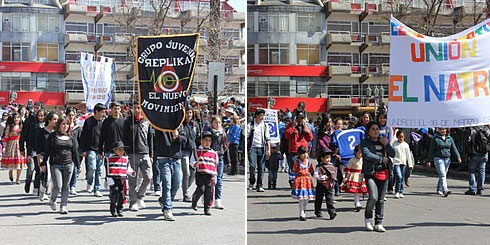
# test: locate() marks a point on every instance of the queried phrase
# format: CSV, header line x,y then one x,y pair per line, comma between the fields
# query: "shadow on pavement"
x,y
338,230
442,224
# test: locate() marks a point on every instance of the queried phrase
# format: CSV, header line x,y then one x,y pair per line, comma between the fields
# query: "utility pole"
x,y
214,44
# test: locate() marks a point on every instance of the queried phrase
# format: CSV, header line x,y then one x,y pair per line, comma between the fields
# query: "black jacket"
x,y
372,161
89,139
166,146
28,134
50,150
138,134
41,138
219,143
192,132
111,132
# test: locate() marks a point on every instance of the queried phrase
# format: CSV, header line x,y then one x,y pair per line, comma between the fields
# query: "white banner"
x,y
273,123
439,82
97,78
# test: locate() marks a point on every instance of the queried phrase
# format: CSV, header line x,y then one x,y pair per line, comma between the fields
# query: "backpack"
x,y
481,143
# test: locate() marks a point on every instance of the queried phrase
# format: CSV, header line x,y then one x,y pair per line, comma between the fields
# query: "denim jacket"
x,y
373,162
442,148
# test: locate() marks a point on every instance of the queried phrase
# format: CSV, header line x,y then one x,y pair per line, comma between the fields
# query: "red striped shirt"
x,y
118,166
207,160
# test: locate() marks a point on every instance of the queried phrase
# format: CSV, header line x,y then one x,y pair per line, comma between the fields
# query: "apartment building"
x,y
334,55
42,39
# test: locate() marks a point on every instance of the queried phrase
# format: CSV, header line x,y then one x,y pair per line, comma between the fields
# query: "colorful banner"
x,y
165,70
439,82
273,123
97,78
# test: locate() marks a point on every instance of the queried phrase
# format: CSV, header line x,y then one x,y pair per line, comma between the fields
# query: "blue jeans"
x,y
73,181
218,188
442,166
272,176
399,177
478,161
94,165
377,191
257,161
171,176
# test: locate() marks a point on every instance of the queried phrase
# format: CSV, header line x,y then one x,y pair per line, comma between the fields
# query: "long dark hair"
x,y
321,127
37,114
49,117
57,128
10,121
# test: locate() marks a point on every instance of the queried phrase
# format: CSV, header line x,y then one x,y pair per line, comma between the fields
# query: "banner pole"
x,y
215,88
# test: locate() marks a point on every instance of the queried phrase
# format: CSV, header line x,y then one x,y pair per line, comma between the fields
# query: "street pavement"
x,y
26,220
422,217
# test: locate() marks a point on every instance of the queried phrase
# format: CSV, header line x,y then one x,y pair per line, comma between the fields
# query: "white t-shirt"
x,y
258,137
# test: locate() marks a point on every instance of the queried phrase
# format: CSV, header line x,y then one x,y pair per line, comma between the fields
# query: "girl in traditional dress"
x,y
12,157
354,180
303,189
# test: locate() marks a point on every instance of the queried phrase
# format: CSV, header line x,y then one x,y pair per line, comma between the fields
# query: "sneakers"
x,y
157,193
168,215
98,194
187,199
218,204
379,228
471,193
479,192
134,208
52,205
440,193
358,208
301,218
250,187
385,199
90,189
73,191
35,192
318,214
369,224
333,215
401,195
43,196
63,210
141,203
447,193
397,195
260,189
206,212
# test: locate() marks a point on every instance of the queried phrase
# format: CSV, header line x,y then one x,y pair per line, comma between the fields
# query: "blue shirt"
x,y
233,134
282,128
346,141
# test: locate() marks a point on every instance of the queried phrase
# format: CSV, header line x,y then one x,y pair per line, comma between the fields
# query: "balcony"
x,y
348,70
118,42
103,13
236,17
239,44
124,67
346,38
79,41
72,68
74,12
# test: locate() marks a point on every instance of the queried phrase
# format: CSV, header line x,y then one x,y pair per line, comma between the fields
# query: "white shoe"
x,y
52,205
385,199
250,187
168,215
379,228
90,189
401,195
35,192
397,195
157,193
98,194
64,210
369,224
218,204
141,203
440,193
134,208
73,191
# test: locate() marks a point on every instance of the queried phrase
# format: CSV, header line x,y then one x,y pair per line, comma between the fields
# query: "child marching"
x,y
207,161
302,184
117,172
326,175
354,179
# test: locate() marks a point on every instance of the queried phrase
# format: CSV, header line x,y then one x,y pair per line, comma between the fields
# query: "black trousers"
x,y
117,194
203,182
321,191
234,158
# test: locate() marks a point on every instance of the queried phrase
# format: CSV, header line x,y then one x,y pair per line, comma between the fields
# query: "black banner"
x,y
165,70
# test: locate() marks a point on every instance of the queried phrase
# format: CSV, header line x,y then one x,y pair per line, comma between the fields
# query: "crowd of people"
x,y
357,156
119,147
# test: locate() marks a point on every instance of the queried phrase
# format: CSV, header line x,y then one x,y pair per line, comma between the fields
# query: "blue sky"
x,y
238,5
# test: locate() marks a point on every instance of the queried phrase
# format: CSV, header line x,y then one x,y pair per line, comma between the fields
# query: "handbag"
x,y
381,175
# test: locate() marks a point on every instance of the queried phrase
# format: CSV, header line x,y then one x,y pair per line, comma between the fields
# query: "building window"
x,y
343,58
342,26
310,86
250,21
250,54
251,87
301,87
16,51
273,53
273,22
268,86
308,54
18,81
47,52
46,23
21,22
309,22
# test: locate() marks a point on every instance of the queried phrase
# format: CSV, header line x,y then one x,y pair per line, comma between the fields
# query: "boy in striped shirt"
x,y
207,160
117,172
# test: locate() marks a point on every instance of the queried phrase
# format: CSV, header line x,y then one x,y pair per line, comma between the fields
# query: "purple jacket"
x,y
325,141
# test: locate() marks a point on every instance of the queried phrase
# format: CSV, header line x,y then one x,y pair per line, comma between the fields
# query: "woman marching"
x,y
12,157
441,148
62,151
220,145
376,152
303,189
354,179
41,137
